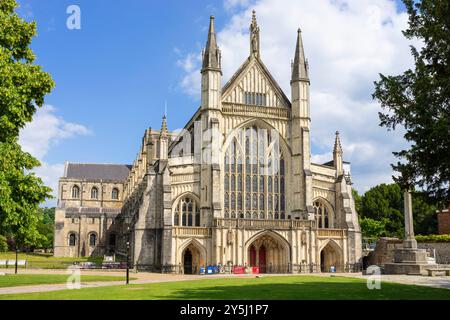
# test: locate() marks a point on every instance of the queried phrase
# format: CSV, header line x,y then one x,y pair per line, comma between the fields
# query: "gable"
x,y
254,78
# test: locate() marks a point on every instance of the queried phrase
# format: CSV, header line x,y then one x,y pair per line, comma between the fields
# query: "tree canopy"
x,y
419,101
23,86
382,212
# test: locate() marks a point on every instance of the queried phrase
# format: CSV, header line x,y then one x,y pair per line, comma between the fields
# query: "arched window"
x,y
72,239
322,216
92,239
255,166
189,211
94,193
115,194
75,192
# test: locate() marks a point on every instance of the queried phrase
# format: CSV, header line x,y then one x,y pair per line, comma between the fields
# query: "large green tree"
x,y
382,212
419,101
23,86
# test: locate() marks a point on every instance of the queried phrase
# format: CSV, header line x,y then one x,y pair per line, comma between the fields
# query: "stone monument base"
x,y
408,261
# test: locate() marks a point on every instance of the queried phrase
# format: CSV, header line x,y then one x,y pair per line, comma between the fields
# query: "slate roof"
x,y
87,171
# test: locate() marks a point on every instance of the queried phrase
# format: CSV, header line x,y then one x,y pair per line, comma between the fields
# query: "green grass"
x,y
15,280
284,287
41,260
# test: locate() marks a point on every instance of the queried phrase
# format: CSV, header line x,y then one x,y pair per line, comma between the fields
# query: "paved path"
x,y
145,277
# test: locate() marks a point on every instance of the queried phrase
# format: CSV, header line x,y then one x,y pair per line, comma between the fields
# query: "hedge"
x,y
434,238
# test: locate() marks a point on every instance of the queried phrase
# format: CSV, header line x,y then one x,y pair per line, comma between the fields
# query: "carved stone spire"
x,y
300,65
211,54
337,155
164,132
337,144
254,36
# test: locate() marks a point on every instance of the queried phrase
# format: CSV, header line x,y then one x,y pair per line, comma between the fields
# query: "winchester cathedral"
x,y
236,187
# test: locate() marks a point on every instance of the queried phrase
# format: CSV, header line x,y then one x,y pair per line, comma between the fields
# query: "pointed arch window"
x,y
187,213
259,177
322,215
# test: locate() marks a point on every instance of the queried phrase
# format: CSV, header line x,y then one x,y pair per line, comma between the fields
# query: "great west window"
x,y
254,176
258,99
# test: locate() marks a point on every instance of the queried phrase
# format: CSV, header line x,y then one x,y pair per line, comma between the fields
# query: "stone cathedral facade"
x,y
235,187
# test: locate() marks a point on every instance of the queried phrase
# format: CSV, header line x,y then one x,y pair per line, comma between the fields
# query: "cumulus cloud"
x,y
191,82
45,131
348,43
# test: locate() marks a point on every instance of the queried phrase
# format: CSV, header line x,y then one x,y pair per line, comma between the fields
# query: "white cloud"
x,y
348,43
47,130
191,82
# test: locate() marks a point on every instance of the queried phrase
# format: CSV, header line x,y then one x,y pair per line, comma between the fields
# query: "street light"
x,y
128,262
128,220
17,253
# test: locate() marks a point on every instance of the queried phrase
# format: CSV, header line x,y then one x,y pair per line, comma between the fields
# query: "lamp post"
x,y
17,253
128,220
128,262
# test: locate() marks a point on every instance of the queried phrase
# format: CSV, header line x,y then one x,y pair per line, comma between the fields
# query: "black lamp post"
x,y
128,220
17,253
128,261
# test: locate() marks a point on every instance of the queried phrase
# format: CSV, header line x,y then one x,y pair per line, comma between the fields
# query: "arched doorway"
x,y
187,263
330,256
192,260
270,253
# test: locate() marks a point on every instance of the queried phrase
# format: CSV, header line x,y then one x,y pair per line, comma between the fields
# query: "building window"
x,y
253,98
115,194
72,239
322,215
261,176
75,192
189,211
92,239
94,193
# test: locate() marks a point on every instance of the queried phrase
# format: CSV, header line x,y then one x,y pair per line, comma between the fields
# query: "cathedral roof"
x,y
88,171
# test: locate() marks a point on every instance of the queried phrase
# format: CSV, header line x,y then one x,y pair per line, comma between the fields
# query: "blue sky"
x,y
114,75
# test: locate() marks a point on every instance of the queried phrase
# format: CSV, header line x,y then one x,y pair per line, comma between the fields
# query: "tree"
x,y
3,244
46,227
358,200
23,86
385,203
373,229
419,100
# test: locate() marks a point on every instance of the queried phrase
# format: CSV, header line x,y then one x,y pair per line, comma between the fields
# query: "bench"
x,y
431,272
20,263
2,263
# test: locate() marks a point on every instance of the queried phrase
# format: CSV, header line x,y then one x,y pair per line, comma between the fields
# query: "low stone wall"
x,y
442,250
384,251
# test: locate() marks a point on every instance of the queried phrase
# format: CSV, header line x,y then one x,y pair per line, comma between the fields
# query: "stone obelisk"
x,y
410,241
409,259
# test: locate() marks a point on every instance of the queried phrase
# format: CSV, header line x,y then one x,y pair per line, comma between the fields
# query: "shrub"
x,y
434,238
3,244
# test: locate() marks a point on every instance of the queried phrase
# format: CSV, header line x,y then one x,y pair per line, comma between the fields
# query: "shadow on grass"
x,y
330,289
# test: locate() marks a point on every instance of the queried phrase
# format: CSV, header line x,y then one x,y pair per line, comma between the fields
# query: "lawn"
x,y
284,287
13,280
41,260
